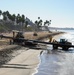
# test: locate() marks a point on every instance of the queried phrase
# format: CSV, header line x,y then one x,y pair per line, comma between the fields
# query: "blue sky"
x,y
61,12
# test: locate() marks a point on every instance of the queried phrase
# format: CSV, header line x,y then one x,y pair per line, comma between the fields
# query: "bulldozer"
x,y
63,43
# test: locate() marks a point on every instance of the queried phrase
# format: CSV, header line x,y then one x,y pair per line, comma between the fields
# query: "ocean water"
x,y
58,62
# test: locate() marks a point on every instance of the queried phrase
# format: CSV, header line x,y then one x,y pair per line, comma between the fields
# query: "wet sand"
x,y
21,61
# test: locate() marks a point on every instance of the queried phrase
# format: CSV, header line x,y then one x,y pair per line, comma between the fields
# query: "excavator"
x,y
18,38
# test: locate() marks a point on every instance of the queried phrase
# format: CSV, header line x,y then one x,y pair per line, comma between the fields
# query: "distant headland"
x,y
64,28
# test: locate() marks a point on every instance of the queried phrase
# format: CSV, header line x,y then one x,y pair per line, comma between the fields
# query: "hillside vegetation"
x,y
19,22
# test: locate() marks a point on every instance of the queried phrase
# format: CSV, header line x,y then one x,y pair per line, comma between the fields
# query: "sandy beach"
x,y
25,62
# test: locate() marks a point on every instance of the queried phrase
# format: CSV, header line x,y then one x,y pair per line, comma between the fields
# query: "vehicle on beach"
x,y
63,43
19,39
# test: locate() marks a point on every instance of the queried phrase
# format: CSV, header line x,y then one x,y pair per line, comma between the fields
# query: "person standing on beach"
x,y
50,39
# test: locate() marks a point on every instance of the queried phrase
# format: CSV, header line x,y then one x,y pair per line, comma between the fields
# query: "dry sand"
x,y
22,64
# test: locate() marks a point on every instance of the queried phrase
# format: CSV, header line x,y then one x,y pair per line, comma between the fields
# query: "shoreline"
x,y
36,69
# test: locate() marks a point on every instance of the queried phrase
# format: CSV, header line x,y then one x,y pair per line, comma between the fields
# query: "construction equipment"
x,y
19,39
61,44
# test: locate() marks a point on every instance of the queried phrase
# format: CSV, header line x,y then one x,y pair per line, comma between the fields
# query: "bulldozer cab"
x,y
19,35
63,40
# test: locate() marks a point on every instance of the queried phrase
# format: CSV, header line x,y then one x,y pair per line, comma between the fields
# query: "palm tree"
x,y
13,17
4,16
40,23
46,24
26,24
23,18
0,12
23,21
7,12
36,23
35,32
8,15
17,18
38,17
